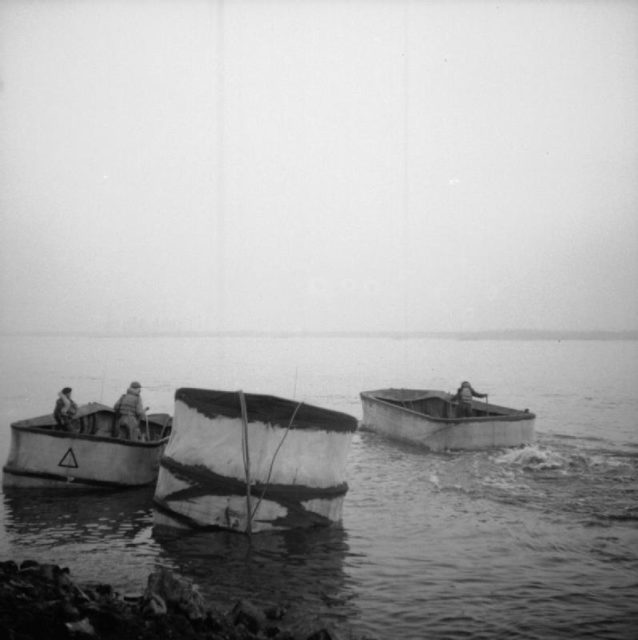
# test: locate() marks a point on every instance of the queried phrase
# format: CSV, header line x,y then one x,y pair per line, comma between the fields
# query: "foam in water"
x,y
533,457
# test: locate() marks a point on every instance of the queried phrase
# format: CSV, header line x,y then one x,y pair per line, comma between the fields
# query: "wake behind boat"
x,y
250,463
87,455
429,418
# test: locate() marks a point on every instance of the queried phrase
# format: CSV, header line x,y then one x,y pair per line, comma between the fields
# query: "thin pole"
x,y
272,462
244,444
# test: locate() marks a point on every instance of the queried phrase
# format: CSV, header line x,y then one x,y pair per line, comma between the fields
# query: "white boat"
x,y
251,463
428,418
85,456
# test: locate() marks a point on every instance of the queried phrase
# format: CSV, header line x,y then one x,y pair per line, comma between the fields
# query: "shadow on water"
x,y
301,570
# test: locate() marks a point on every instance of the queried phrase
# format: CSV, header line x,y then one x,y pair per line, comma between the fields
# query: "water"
x,y
535,542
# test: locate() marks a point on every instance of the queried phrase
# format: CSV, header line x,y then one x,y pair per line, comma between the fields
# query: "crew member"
x,y
463,396
129,411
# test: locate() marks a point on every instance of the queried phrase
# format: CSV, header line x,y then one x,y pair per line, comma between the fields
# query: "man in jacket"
x,y
463,396
129,410
65,409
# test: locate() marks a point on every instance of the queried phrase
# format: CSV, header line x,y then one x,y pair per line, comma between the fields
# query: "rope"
x,y
272,462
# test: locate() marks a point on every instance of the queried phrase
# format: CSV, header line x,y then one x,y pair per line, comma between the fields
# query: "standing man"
x,y
463,396
129,410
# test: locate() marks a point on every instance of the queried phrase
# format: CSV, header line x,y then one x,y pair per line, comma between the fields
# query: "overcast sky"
x,y
326,165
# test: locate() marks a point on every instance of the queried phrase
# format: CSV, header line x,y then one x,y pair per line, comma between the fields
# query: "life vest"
x,y
127,405
65,408
466,395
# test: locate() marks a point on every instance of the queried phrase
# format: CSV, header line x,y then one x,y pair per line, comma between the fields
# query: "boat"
x,y
428,418
252,463
87,455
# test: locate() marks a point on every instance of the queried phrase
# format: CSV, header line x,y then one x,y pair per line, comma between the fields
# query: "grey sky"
x,y
327,165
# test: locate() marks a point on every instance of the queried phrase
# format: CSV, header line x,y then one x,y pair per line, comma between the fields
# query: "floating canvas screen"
x,y
267,409
294,455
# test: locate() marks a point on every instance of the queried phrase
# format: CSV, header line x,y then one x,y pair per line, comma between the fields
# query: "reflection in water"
x,y
52,518
110,537
100,536
489,543
302,570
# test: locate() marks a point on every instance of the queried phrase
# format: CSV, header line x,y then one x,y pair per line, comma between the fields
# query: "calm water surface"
x,y
536,542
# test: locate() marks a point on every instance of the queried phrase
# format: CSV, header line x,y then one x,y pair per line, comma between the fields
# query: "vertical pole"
x,y
244,444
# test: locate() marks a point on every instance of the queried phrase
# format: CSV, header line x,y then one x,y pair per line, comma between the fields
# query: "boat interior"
x,y
99,420
439,405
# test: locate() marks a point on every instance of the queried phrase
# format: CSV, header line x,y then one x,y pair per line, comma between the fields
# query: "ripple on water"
x,y
475,544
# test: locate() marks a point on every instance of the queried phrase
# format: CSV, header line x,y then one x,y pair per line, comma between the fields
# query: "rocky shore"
x,y
42,602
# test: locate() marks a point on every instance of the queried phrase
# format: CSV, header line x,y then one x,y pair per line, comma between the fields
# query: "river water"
x,y
534,542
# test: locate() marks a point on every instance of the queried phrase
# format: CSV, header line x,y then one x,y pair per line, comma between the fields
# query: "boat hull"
x,y
500,427
296,475
42,457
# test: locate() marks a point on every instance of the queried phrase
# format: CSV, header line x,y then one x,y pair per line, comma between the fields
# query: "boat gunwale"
x,y
50,431
46,425
513,417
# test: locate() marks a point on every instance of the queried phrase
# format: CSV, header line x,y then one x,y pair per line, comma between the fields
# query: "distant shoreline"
x,y
514,334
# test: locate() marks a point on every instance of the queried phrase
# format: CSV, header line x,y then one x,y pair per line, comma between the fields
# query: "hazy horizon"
x,y
326,166
496,335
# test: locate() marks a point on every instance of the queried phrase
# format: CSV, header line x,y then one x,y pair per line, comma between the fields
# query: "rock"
x,y
41,602
70,612
324,634
275,613
155,606
8,568
177,594
81,627
246,614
